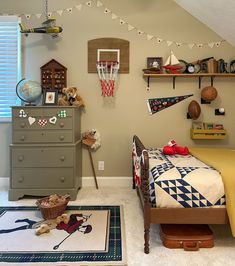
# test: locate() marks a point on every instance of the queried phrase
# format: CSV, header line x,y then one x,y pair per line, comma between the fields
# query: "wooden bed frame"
x,y
169,215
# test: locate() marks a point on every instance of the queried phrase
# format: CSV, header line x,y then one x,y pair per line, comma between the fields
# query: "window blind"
x,y
10,64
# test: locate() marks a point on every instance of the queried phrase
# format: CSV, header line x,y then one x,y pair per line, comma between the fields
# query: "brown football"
x,y
194,110
209,93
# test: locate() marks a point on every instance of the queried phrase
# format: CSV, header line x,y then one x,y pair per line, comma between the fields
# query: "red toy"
x,y
172,148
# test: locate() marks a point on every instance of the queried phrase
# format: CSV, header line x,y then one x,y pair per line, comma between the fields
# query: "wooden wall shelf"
x,y
197,75
208,133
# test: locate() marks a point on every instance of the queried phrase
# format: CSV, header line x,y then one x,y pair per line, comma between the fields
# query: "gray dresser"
x,y
45,151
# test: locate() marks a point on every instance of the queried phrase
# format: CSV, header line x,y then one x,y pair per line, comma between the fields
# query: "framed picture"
x,y
50,97
155,64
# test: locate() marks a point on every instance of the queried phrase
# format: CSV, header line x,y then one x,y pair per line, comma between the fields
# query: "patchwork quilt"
x,y
183,182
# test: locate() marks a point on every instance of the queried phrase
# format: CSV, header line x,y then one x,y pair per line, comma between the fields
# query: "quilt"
x,y
183,182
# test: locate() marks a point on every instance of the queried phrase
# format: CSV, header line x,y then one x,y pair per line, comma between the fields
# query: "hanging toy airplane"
x,y
48,27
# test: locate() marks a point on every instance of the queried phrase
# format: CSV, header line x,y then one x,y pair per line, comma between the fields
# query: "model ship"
x,y
172,64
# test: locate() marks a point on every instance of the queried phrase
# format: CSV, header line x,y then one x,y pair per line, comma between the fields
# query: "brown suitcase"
x,y
190,237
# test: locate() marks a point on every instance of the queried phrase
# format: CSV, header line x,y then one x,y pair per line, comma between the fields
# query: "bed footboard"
x,y
143,189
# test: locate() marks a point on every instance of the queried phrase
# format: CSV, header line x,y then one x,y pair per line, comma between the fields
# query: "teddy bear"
x,y
71,97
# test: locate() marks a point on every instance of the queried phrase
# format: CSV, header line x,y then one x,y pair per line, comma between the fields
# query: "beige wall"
x,y
126,114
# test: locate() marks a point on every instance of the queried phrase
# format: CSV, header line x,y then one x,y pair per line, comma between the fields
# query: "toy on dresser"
x,y
71,97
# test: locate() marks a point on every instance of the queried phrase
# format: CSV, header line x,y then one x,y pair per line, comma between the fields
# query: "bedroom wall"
x,y
118,119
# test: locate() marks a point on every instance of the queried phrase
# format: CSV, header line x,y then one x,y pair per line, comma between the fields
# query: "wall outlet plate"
x,y
101,165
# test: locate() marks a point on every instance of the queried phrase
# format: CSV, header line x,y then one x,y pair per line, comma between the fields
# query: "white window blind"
x,y
10,64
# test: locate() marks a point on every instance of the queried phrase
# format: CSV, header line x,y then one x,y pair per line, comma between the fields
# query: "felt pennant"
x,y
158,104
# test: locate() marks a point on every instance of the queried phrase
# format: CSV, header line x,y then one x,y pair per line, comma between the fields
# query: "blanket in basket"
x,y
183,182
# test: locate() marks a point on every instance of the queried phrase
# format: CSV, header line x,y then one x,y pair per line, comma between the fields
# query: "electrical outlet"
x,y
101,165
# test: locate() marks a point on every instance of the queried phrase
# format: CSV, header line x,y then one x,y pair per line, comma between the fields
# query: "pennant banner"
x,y
158,104
99,4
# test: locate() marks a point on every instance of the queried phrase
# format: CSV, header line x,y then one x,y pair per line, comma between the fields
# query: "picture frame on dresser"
x,y
50,97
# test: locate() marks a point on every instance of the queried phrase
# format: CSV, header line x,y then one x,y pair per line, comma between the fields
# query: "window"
x,y
10,64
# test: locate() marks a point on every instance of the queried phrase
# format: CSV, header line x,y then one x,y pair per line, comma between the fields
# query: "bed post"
x,y
143,190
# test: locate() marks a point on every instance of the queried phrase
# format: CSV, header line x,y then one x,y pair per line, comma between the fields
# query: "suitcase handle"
x,y
191,246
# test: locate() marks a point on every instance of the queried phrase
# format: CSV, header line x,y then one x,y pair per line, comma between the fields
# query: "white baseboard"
x,y
88,181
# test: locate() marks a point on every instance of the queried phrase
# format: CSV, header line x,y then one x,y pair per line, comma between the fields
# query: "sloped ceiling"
x,y
218,15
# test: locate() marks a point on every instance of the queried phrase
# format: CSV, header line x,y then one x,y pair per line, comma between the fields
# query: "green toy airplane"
x,y
48,27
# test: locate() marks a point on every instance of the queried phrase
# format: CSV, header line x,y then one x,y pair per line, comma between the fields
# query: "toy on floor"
x,y
172,148
71,97
50,224
44,228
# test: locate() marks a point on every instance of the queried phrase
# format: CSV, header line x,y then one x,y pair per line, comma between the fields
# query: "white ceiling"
x,y
218,15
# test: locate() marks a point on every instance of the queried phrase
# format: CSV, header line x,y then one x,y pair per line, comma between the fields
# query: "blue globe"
x,y
28,91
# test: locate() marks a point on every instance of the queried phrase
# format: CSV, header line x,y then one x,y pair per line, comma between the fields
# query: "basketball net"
x,y
107,71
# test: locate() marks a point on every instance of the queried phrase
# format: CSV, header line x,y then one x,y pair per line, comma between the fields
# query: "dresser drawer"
x,y
42,157
42,178
29,111
23,123
42,136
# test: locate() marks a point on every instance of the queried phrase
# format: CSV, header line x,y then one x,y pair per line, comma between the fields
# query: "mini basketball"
x,y
194,110
209,93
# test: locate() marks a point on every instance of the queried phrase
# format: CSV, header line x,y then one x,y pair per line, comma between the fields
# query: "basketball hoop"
x,y
107,71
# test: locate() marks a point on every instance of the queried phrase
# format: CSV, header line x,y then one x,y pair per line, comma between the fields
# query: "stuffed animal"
x,y
44,228
92,139
71,97
172,148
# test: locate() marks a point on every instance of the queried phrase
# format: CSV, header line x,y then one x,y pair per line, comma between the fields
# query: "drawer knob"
x,y
22,137
62,158
20,158
61,137
62,179
61,124
22,125
21,179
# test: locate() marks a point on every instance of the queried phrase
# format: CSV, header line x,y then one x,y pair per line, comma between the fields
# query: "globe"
x,y
28,91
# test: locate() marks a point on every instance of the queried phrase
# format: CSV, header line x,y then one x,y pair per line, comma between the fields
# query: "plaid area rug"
x,y
94,236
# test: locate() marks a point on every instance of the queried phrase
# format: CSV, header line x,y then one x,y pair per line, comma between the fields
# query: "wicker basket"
x,y
51,212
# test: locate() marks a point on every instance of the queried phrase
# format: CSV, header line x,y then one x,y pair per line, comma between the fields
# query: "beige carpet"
x,y
223,254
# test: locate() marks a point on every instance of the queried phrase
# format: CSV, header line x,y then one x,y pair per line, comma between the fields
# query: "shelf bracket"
x,y
199,82
212,80
148,81
173,82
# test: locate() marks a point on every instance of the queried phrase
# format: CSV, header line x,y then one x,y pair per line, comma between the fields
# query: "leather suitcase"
x,y
190,237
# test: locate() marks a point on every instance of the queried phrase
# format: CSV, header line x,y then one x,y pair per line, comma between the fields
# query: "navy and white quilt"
x,y
183,182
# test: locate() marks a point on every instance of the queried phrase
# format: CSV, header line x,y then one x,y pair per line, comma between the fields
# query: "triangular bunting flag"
x,y
99,4
130,27
178,44
211,44
106,11
70,9
121,21
38,15
169,43
89,3
114,16
158,104
28,16
191,45
79,7
199,45
59,12
149,37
